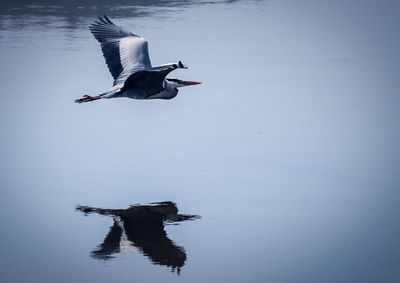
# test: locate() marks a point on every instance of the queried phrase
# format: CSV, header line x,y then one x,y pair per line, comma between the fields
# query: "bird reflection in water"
x,y
141,227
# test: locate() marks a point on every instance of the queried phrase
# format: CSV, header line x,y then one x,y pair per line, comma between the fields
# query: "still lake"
x,y
284,164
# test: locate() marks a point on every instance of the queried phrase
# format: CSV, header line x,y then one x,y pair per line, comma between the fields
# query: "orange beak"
x,y
191,83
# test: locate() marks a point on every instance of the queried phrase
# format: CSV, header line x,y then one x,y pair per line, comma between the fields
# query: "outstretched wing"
x,y
150,80
124,51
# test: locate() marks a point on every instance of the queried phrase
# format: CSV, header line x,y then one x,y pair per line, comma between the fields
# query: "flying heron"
x,y
128,60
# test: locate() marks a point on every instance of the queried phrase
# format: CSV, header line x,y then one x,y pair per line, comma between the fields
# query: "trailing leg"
x,y
87,98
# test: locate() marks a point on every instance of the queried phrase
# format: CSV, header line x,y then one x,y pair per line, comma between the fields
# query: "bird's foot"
x,y
87,98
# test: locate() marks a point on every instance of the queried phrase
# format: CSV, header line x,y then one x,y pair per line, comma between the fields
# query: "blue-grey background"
x,y
289,150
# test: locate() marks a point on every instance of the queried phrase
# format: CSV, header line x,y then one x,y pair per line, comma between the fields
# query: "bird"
x,y
127,57
141,228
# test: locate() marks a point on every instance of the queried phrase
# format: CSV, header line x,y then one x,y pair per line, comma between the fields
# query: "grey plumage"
x,y
127,57
109,35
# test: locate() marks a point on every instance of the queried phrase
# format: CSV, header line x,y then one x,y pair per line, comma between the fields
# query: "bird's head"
x,y
179,83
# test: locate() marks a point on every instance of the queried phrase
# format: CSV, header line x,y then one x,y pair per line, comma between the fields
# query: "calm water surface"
x,y
289,150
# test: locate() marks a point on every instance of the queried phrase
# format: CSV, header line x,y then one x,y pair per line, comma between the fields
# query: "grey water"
x,y
289,150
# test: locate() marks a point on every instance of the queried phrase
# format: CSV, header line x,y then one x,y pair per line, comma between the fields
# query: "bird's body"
x,y
128,60
168,92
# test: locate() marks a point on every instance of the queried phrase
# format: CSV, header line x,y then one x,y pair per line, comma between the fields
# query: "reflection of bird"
x,y
141,227
128,60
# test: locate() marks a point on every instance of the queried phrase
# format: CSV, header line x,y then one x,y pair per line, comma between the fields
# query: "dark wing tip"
x,y
104,20
108,20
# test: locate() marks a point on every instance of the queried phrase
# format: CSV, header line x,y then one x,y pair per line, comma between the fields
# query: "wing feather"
x,y
123,51
151,80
